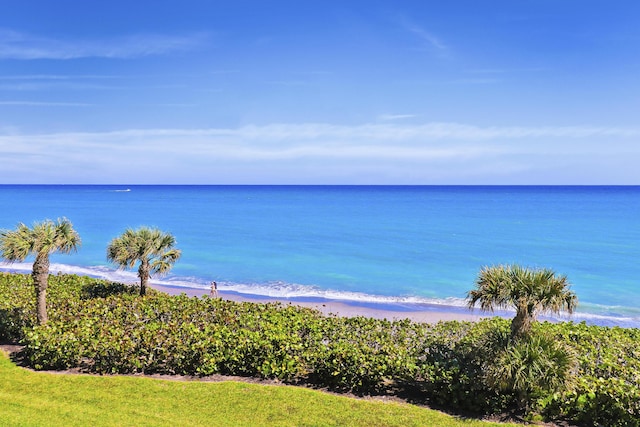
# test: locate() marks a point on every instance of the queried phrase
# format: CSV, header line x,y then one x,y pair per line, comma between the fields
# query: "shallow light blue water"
x,y
399,245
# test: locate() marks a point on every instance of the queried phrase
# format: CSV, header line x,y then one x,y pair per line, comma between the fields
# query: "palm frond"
x,y
149,246
16,245
528,291
43,237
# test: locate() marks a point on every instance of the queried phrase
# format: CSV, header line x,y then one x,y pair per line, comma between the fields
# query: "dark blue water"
x,y
396,244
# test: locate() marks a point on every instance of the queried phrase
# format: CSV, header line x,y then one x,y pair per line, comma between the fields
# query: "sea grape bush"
x,y
362,354
105,327
17,305
17,299
191,336
607,389
452,365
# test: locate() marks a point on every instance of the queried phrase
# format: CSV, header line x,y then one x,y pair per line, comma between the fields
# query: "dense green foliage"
x,y
105,328
17,299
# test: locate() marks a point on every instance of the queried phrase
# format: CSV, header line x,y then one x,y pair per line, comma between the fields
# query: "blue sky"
x,y
320,92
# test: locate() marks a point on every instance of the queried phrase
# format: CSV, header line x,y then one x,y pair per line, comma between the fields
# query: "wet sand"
x,y
426,314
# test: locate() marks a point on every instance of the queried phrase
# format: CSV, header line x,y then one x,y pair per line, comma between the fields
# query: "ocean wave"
x,y
589,313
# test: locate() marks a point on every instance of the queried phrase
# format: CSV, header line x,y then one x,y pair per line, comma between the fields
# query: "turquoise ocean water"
x,y
401,247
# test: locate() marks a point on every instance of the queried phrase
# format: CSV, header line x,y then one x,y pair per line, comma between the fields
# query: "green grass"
x,y
45,399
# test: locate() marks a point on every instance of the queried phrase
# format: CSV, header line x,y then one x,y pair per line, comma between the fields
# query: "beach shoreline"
x,y
431,314
419,311
422,313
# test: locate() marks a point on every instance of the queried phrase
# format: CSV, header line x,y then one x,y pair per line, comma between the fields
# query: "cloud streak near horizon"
x,y
253,150
392,132
371,131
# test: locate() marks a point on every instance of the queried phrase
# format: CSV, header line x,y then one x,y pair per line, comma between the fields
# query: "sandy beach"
x,y
429,314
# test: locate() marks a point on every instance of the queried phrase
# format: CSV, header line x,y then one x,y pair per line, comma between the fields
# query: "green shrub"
x,y
17,305
17,299
452,365
607,389
363,354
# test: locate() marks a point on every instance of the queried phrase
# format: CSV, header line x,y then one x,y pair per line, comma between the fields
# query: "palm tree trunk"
x,y
143,273
521,324
40,276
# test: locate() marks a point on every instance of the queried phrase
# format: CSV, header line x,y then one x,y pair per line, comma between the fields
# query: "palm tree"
x,y
154,249
41,240
529,291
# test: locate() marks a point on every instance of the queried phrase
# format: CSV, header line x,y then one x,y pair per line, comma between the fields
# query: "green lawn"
x,y
45,399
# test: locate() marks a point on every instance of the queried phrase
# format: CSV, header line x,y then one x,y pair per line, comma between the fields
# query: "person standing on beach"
x,y
214,290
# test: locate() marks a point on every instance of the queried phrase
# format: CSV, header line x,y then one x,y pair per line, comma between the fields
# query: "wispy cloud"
x,y
33,82
373,132
287,135
318,152
507,70
273,143
173,105
473,81
24,46
428,40
44,104
38,85
434,130
57,77
38,82
289,83
390,117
